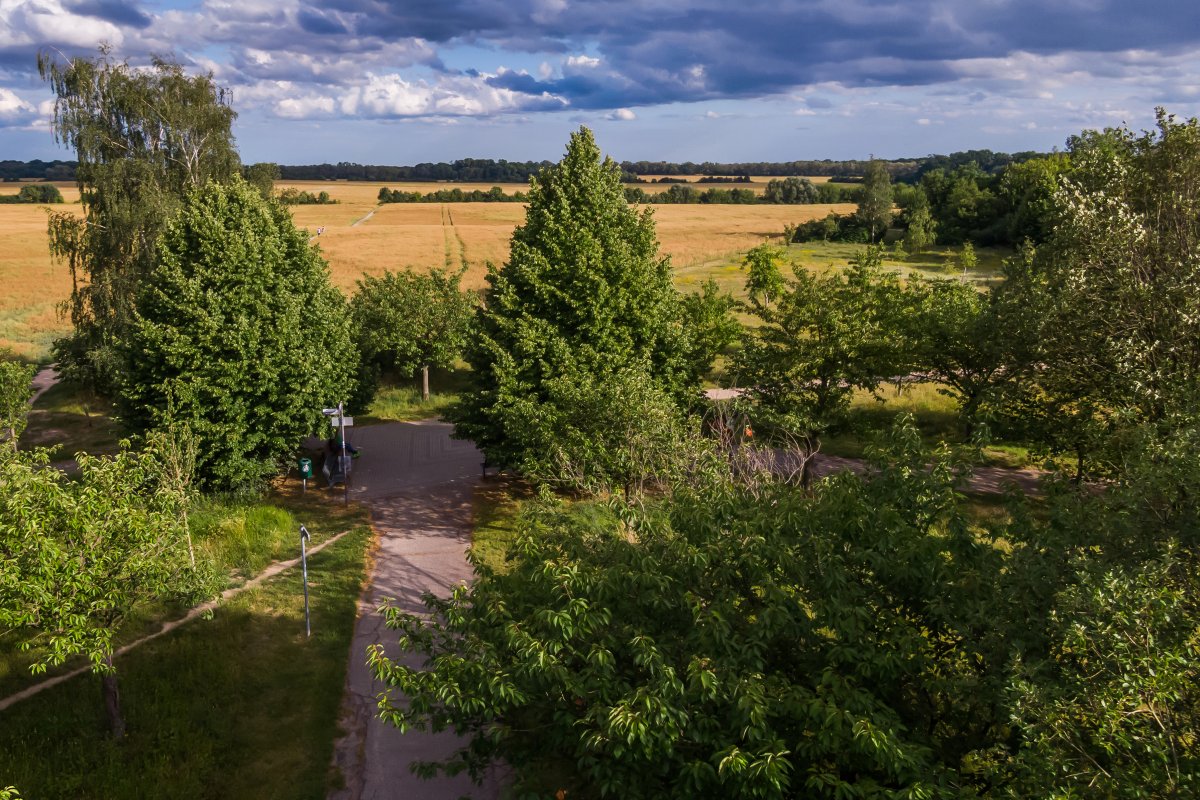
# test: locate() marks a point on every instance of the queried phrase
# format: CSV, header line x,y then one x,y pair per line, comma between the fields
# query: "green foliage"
x,y
143,139
212,703
727,644
922,230
981,347
34,193
406,321
15,391
79,556
262,176
292,196
792,191
710,325
584,293
239,337
1118,288
967,258
820,340
454,195
764,281
875,205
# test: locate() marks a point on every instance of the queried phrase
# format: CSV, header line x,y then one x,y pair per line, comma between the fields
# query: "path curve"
x,y
419,484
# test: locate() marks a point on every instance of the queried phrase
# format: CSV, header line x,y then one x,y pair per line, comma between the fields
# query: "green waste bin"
x,y
306,468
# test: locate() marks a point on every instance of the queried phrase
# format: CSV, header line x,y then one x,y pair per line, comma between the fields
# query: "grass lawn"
x,y
399,399
239,705
935,414
497,505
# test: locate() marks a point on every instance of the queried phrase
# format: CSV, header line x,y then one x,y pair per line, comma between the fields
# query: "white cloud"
x,y
923,121
12,106
622,114
47,22
304,107
582,62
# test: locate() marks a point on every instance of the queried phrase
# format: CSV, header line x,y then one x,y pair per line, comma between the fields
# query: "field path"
x,y
418,483
361,220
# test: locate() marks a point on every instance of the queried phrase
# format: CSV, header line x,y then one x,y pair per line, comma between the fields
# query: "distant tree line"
x,y
292,196
34,193
787,191
37,170
483,170
455,195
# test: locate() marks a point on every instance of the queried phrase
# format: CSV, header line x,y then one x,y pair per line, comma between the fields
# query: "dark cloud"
x,y
114,11
320,24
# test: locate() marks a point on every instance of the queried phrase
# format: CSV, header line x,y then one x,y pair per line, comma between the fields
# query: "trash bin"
x,y
306,471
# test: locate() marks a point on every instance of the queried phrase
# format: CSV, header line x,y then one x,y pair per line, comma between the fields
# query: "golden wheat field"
x,y
361,237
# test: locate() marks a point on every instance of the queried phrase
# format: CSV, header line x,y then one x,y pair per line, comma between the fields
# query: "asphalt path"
x,y
418,484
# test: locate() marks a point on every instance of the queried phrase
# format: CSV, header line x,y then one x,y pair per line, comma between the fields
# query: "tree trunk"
x,y
425,384
112,701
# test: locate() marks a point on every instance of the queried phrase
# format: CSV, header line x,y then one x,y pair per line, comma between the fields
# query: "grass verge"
x,y
497,506
239,705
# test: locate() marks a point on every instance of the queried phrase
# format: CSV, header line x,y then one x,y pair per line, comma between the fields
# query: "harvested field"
x,y
702,241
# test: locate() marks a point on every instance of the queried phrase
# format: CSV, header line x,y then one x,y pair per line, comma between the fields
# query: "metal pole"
x,y
345,465
304,567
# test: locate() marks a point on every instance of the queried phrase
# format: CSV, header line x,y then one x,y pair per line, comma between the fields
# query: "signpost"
x,y
304,567
340,421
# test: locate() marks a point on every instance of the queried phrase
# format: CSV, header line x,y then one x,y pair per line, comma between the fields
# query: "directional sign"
x,y
343,421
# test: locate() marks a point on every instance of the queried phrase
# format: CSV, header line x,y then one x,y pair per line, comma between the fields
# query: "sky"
x,y
402,81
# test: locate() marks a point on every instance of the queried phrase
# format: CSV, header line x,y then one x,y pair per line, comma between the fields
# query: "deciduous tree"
x,y
143,139
238,336
78,556
409,321
15,390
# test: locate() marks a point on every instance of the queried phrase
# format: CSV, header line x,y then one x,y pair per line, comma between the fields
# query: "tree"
x,y
262,176
967,258
39,193
408,321
922,230
725,643
875,207
710,325
823,338
764,281
981,346
584,293
238,336
1120,278
143,139
78,556
15,390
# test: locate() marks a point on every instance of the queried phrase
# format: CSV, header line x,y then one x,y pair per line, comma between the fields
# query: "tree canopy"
x,y
143,139
238,335
584,293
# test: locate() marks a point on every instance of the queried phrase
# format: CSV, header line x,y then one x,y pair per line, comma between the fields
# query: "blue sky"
x,y
399,82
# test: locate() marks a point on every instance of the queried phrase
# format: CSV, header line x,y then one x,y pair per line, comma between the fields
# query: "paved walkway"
x,y
418,484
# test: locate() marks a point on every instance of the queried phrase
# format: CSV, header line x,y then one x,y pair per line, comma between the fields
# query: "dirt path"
x,y
360,221
418,484
43,381
167,627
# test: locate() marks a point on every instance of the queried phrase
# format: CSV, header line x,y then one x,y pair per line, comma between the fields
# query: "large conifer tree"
x,y
585,295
